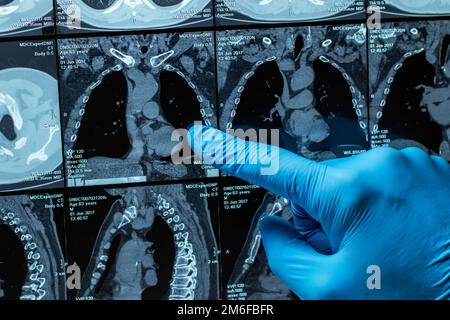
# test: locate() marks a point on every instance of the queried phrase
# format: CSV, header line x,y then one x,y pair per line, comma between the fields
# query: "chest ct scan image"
x,y
94,94
20,17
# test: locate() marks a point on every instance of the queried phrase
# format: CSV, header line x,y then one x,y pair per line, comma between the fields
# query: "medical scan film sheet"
x,y
30,129
32,255
410,8
81,16
122,99
30,17
409,72
309,83
145,243
238,12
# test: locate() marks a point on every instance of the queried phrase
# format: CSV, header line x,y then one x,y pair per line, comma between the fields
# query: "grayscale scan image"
x,y
26,17
308,82
123,97
412,8
245,272
145,243
32,263
30,129
239,12
410,86
114,15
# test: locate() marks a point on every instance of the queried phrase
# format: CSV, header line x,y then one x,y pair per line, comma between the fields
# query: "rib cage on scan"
x,y
87,16
188,211
35,221
143,110
31,17
235,12
7,128
410,87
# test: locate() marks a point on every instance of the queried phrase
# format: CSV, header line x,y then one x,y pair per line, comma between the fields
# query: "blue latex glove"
x,y
384,208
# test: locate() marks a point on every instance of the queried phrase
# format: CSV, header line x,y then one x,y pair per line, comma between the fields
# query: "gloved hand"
x,y
373,226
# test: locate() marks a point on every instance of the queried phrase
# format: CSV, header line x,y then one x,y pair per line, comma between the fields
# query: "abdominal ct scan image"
x,y
96,100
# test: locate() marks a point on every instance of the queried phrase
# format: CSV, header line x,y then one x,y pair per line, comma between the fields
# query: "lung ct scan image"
x,y
243,12
113,15
32,254
308,82
122,99
30,129
410,86
411,8
145,243
26,17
